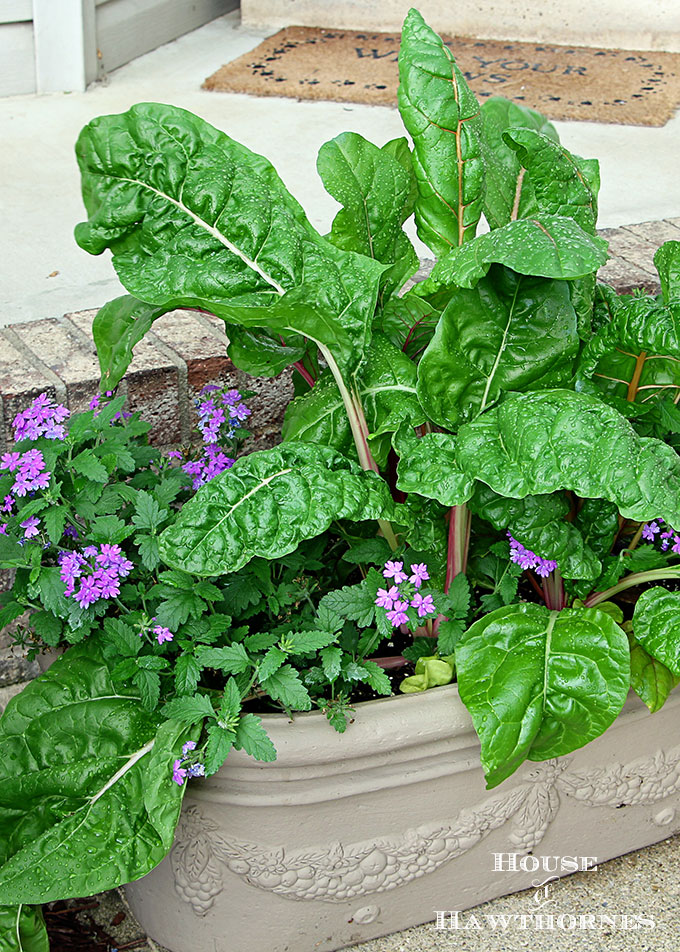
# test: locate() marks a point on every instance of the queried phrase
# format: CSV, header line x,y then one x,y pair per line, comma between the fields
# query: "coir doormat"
x,y
563,82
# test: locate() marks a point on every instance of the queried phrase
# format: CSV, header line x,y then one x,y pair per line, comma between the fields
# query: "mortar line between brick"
x,y
667,221
204,322
3,440
76,332
627,228
25,351
634,264
182,383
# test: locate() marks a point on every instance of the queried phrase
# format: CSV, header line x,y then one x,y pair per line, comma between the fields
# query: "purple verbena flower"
x,y
89,591
30,527
10,461
398,614
196,770
385,598
649,530
3,528
419,574
544,567
162,634
394,570
8,504
71,532
423,605
179,772
526,559
231,397
190,745
42,418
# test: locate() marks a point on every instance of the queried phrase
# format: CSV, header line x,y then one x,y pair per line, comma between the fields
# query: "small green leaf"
x,y
87,464
149,685
54,520
220,742
123,637
148,514
285,686
271,662
377,678
147,546
306,642
189,710
232,660
187,673
331,659
252,737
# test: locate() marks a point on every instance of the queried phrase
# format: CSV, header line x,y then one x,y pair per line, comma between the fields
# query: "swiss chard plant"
x,y
478,478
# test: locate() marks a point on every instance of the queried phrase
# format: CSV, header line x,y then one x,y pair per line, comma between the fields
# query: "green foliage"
x,y
504,393
540,684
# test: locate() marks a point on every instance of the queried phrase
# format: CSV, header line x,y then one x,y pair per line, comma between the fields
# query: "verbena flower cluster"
x,y
96,571
29,473
403,593
187,765
526,559
220,416
666,537
42,418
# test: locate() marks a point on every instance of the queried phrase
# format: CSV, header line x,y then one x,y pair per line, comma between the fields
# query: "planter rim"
x,y
394,741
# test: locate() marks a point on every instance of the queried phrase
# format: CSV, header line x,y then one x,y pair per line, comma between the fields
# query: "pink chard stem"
x,y
459,542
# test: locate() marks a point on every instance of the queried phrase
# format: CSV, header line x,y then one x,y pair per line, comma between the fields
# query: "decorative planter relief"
x,y
373,830
340,871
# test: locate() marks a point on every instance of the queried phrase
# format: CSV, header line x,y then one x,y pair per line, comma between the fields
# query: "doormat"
x,y
563,82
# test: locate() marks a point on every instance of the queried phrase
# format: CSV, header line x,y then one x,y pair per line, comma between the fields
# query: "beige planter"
x,y
351,836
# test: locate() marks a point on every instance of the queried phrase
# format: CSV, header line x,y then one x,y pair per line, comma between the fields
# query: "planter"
x,y
349,837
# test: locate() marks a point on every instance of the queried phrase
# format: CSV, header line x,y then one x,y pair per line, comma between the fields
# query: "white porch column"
x,y
65,46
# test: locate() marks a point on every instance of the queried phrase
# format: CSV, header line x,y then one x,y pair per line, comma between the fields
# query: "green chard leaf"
x,y
428,466
266,504
442,117
117,328
563,184
509,333
104,792
547,246
539,443
22,929
386,385
667,261
651,680
508,192
656,626
558,680
538,523
635,356
377,195
195,219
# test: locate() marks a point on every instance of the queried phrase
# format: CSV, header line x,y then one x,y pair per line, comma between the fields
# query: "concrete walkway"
x,y
44,273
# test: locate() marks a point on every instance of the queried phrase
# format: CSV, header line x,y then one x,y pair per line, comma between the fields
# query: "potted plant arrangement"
x,y
461,557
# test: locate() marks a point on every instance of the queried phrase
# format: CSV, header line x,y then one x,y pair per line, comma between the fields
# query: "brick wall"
x,y
185,351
